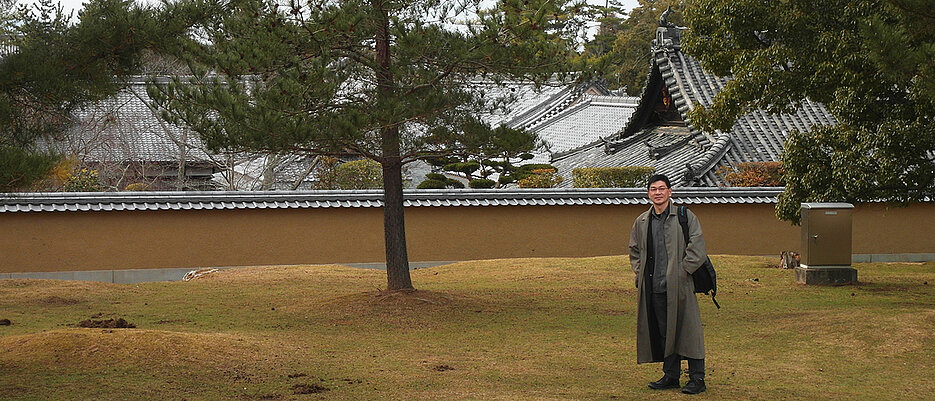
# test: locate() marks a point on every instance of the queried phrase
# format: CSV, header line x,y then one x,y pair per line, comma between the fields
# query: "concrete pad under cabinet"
x,y
826,275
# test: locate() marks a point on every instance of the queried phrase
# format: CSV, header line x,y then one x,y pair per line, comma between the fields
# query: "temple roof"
x,y
659,133
123,128
591,118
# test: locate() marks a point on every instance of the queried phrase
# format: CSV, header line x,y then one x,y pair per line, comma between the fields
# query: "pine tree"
x,y
52,66
394,81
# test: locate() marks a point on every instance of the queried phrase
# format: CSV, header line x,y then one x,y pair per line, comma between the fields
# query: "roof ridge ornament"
x,y
668,35
664,18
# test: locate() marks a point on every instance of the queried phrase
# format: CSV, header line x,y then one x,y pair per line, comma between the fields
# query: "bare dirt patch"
x,y
412,298
173,354
442,368
380,303
119,323
309,389
170,321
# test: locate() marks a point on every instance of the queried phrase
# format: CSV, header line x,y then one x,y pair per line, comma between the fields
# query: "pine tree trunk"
x,y
394,227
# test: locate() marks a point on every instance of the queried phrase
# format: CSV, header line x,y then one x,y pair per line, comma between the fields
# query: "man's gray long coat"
x,y
683,323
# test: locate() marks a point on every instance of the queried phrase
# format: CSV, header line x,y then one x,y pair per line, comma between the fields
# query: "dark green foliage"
x,y
439,181
466,168
869,61
441,161
432,184
493,152
388,80
303,76
20,168
59,66
482,183
621,50
526,170
611,177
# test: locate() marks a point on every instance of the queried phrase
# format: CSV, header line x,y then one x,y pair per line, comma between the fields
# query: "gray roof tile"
x,y
592,118
124,128
755,137
137,201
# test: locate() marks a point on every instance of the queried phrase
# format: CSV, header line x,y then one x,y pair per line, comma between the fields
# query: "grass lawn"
x,y
516,329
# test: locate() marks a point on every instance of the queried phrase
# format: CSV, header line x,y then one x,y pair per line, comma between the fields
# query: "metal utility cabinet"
x,y
826,244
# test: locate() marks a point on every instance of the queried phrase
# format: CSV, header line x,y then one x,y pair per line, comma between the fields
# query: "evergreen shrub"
x,y
611,177
481,183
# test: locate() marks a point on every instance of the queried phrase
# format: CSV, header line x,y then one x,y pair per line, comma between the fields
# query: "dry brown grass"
x,y
515,329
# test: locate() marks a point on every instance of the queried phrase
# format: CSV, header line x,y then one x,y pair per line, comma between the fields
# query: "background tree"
x,y
389,80
355,174
621,50
489,152
753,174
52,67
439,181
9,16
871,62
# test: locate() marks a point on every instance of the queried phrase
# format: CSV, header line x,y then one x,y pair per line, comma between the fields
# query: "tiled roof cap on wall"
x,y
129,201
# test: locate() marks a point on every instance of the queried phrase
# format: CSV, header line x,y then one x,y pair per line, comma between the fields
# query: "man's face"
x,y
659,193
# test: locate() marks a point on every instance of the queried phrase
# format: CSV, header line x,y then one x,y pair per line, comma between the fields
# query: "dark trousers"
x,y
672,364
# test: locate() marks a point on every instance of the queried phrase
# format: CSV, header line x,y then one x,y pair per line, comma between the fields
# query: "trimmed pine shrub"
x,y
481,183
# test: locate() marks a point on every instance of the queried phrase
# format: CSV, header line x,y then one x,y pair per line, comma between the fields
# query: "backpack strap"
x,y
683,221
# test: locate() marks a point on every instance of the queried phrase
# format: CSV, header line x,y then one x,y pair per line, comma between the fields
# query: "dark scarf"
x,y
655,337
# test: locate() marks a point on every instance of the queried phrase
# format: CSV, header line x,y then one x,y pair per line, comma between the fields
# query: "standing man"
x,y
668,323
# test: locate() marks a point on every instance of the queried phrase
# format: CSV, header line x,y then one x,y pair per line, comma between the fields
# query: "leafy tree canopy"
x,y
871,62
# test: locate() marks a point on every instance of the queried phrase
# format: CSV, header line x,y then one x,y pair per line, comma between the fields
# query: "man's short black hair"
x,y
658,177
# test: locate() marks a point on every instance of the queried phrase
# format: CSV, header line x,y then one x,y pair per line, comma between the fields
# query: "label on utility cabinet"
x,y
832,212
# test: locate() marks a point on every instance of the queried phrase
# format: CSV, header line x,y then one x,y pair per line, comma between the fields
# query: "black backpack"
x,y
705,278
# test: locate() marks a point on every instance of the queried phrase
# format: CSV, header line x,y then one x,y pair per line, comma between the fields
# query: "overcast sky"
x,y
75,5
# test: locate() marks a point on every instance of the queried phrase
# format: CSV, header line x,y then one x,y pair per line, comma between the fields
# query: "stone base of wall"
x,y
172,274
106,276
892,258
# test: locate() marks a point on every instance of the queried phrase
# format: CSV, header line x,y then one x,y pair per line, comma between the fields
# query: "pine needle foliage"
x,y
393,81
50,67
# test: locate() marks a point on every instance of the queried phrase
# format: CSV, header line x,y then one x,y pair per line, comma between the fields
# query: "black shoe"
x,y
664,383
694,386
